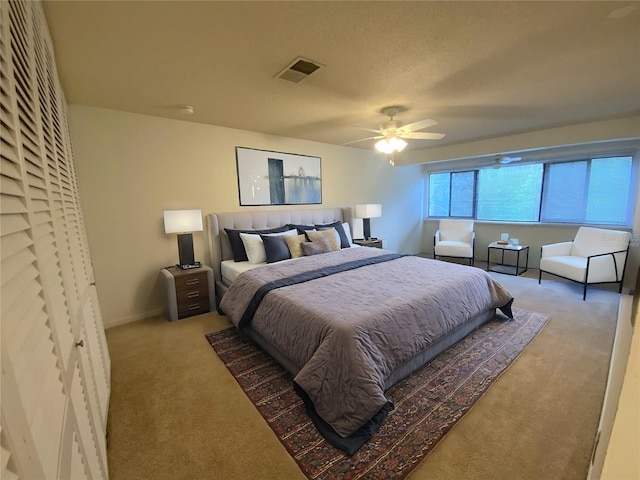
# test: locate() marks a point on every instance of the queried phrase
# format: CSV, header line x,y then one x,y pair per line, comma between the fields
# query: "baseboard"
x,y
133,318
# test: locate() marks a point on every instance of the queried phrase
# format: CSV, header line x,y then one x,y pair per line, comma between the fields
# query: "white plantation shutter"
x,y
55,362
7,469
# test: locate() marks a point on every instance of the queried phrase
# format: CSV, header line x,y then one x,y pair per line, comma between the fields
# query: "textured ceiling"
x,y
482,69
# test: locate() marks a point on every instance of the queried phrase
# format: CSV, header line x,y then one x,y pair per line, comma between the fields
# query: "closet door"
x,y
55,364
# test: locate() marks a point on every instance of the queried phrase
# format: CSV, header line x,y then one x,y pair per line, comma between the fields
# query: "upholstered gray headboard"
x,y
220,248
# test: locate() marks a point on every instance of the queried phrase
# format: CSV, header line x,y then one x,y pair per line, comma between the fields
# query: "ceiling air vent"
x,y
298,70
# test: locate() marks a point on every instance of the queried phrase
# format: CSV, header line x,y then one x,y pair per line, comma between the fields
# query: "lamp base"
x,y
366,227
185,249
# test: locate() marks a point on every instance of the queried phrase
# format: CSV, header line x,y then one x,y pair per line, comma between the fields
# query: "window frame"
x,y
474,194
634,188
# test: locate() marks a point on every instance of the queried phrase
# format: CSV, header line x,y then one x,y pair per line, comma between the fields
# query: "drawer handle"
x,y
195,294
194,306
193,281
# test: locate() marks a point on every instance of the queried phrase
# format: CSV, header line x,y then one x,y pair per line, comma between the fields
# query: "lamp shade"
x,y
180,221
369,210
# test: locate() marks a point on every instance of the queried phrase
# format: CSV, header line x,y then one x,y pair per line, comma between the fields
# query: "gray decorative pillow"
x,y
316,247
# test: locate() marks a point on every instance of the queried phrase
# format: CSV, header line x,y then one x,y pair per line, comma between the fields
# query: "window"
x,y
590,191
510,193
452,194
565,193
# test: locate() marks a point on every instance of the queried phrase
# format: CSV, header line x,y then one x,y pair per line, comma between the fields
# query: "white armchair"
x,y
455,239
595,256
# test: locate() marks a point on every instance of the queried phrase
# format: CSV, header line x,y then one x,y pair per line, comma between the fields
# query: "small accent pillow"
x,y
344,240
276,248
294,242
316,247
255,248
330,235
237,246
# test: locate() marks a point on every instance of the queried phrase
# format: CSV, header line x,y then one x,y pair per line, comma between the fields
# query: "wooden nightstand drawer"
x,y
193,307
193,293
191,282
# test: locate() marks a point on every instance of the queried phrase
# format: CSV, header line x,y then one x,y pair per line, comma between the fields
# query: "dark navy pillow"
x,y
276,248
301,228
344,240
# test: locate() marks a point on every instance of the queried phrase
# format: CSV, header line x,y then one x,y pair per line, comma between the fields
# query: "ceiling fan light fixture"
x,y
391,144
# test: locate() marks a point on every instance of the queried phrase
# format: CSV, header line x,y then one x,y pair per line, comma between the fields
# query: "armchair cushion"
x,y
566,266
456,230
450,248
594,241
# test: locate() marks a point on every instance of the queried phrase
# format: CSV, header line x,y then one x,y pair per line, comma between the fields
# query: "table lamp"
x,y
183,222
365,212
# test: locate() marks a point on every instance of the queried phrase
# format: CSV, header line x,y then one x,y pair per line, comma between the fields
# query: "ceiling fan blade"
x,y
422,135
363,139
504,160
419,125
379,132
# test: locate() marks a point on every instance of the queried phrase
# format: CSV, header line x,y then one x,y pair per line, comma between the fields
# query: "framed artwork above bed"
x,y
277,178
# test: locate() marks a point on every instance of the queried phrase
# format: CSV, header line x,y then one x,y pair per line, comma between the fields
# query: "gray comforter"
x,y
348,331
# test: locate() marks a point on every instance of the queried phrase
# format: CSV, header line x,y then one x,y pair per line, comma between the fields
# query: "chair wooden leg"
x,y
584,293
539,276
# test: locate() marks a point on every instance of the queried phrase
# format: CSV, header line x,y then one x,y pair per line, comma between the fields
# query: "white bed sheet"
x,y
229,270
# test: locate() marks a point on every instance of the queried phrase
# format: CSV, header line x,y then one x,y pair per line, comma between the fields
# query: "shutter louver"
x,y
55,373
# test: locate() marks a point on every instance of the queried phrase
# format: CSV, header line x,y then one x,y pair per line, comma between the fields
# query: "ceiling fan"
x,y
392,133
505,160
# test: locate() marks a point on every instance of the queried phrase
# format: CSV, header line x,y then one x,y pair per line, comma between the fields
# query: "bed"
x,y
348,324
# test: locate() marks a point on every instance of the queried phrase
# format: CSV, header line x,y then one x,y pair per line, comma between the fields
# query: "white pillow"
x,y
347,232
255,248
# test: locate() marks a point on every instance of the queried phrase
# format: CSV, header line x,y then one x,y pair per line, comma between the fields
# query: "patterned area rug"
x,y
427,403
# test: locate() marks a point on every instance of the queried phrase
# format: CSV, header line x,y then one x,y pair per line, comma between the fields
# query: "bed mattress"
x,y
230,269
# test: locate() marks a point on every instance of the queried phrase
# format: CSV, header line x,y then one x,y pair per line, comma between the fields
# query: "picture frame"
x,y
277,178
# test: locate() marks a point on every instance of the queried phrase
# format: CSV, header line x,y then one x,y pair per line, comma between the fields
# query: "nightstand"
x,y
188,292
372,242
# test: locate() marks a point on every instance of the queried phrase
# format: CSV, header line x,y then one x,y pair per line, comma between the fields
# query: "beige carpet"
x,y
177,413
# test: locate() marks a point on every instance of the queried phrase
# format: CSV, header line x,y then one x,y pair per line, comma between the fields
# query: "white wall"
x,y
616,456
133,167
534,143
